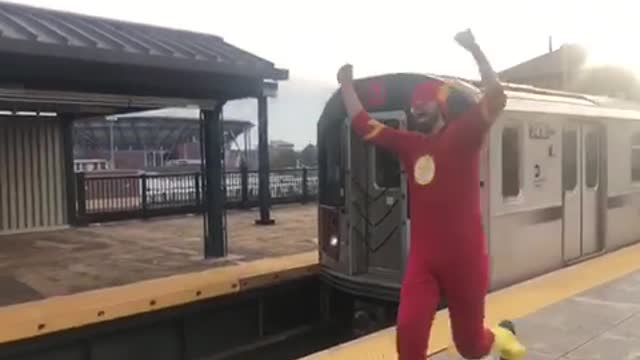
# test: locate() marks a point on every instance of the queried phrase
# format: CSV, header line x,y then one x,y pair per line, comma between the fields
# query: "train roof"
x,y
571,104
523,98
527,98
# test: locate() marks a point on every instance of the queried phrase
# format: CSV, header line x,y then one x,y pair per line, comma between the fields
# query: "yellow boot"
x,y
506,344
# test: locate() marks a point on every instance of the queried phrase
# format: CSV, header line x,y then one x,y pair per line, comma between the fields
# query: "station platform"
x,y
66,279
36,318
39,265
590,310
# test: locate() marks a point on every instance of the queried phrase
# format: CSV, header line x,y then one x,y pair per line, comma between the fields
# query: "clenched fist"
x,y
466,39
345,74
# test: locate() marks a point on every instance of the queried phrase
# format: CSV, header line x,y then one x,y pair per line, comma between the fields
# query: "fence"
x,y
108,198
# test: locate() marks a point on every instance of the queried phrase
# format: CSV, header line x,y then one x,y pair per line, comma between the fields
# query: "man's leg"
x,y
471,338
465,291
418,303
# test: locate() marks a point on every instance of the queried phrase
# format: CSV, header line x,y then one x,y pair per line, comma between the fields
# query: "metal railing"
x,y
118,197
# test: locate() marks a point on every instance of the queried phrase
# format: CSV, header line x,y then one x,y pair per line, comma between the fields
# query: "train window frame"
x,y
576,166
385,116
634,148
592,134
519,130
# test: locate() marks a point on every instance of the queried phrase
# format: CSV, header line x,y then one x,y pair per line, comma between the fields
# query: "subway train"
x,y
559,180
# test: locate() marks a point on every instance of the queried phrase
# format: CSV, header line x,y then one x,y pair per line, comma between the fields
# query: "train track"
x,y
281,321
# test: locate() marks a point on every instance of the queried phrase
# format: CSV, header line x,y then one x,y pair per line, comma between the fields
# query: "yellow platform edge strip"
x,y
514,302
26,320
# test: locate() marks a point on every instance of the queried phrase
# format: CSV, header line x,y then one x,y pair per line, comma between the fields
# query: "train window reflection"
x,y
591,155
510,162
387,166
570,159
635,157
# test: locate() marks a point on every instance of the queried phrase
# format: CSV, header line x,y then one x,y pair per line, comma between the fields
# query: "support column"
x,y
215,240
69,171
264,192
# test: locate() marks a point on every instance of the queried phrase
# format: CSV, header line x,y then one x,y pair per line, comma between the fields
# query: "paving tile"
x,y
630,328
608,347
584,314
531,355
551,340
625,292
14,291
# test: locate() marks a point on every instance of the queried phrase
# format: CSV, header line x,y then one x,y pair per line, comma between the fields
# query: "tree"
x,y
283,158
609,80
309,156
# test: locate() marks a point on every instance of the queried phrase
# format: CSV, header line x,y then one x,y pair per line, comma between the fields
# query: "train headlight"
x,y
329,232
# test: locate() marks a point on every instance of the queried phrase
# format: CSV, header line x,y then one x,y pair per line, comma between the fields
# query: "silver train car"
x,y
560,183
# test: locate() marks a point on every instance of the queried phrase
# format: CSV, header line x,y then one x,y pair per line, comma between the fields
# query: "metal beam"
x,y
215,240
264,192
20,98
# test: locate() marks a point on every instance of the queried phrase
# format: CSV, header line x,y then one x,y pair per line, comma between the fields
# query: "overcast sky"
x,y
313,38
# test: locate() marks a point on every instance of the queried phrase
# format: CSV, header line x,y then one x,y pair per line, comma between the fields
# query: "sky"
x,y
313,38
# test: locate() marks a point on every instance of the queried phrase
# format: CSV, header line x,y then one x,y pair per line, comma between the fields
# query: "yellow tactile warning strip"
x,y
510,303
35,318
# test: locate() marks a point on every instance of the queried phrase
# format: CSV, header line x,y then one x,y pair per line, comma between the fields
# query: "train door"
x,y
581,170
379,206
591,168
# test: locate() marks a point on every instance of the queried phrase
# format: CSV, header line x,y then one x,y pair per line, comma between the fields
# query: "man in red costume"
x,y
448,253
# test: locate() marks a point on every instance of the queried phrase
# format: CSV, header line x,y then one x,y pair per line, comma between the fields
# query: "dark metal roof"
x,y
44,51
37,31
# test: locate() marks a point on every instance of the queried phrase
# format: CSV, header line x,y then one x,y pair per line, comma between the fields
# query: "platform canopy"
x,y
64,62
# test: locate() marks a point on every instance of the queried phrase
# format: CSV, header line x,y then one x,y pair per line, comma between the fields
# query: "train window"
x,y
330,169
635,157
592,163
510,162
387,170
570,159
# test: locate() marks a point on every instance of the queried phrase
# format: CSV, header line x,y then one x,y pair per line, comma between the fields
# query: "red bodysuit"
x,y
448,253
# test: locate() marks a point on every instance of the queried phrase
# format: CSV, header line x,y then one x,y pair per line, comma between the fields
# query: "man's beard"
x,y
427,125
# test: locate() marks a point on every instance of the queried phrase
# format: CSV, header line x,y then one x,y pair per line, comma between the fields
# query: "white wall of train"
x,y
573,194
560,180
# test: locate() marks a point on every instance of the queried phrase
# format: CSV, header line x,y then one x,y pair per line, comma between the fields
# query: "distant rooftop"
x,y
150,130
186,113
280,143
569,56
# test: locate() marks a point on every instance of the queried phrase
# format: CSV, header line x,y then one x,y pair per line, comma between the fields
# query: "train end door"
x,y
378,204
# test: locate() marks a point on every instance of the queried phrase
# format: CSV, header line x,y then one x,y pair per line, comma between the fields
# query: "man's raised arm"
x,y
494,99
368,128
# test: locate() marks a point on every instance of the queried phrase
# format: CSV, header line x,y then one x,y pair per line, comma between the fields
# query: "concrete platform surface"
x,y
589,310
600,323
39,265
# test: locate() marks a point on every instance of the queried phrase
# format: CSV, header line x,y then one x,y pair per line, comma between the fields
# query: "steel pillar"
x,y
264,192
215,240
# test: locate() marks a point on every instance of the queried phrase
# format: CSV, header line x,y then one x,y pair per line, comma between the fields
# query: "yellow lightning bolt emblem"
x,y
424,170
376,128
